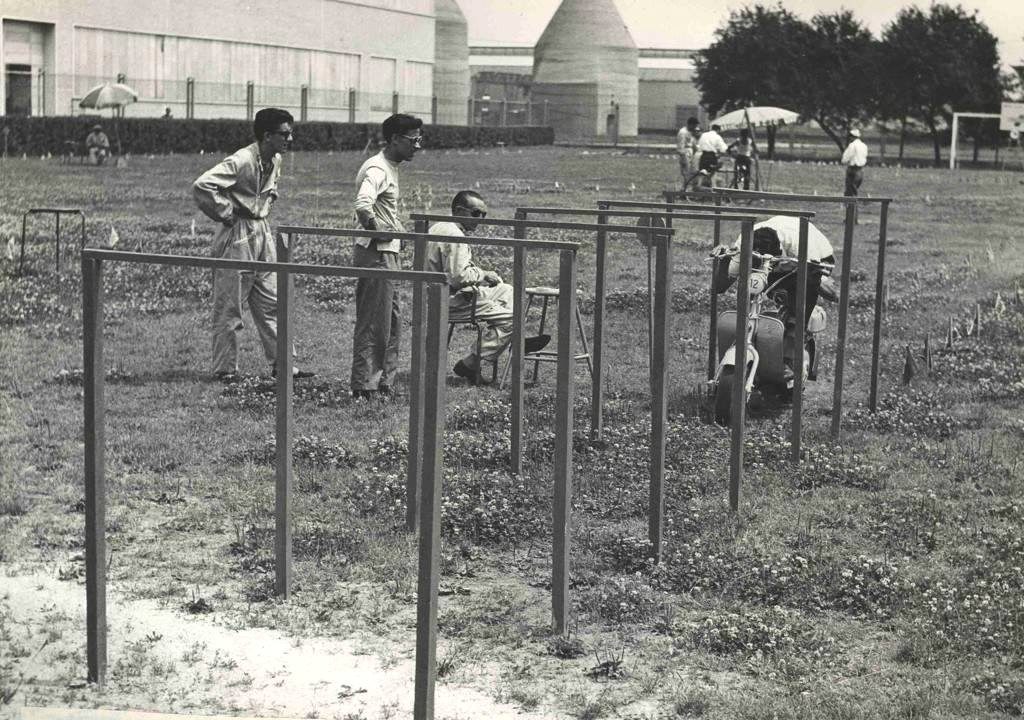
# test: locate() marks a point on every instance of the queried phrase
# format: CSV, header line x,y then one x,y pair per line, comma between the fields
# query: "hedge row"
x,y
41,135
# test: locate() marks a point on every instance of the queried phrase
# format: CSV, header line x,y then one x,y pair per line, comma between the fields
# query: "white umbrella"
x,y
108,95
758,116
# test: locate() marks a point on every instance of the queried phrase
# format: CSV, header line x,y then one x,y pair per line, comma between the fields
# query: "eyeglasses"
x,y
414,139
282,133
473,212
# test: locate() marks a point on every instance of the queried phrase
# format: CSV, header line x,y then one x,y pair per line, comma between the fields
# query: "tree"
x,y
757,58
938,62
841,65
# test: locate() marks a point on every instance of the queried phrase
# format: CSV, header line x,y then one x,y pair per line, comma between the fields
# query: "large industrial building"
x,y
340,59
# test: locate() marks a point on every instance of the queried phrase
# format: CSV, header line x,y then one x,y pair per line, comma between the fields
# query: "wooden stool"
x,y
546,294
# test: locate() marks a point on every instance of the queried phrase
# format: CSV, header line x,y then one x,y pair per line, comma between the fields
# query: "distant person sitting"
x,y
709,147
474,292
97,145
168,115
743,151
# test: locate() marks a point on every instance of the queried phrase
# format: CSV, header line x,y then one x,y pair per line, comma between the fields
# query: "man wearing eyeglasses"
x,y
378,313
474,292
237,194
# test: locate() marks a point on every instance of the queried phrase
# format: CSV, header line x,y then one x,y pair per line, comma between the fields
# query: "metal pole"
x,y
952,145
516,346
844,308
798,349
250,99
417,388
304,103
876,337
597,383
562,531
739,390
95,481
433,110
504,113
284,431
352,105
190,98
394,102
56,258
469,112
659,383
430,507
713,302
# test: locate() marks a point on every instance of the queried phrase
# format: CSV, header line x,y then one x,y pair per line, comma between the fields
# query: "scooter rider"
x,y
780,236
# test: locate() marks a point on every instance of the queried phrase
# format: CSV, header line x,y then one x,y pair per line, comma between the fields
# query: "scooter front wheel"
x,y
723,396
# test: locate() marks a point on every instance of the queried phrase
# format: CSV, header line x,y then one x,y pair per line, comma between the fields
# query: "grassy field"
x,y
883,579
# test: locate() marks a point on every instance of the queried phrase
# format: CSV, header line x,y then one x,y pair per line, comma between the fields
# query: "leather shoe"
x,y
535,343
296,373
465,371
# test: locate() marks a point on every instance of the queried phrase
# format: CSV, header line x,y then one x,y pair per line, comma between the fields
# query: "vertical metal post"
x,y
739,390
42,91
190,98
394,102
798,349
417,388
659,384
430,507
504,113
954,131
516,346
562,530
283,437
304,103
433,110
469,112
352,105
876,337
597,382
57,243
713,301
844,310
546,112
21,256
95,481
250,99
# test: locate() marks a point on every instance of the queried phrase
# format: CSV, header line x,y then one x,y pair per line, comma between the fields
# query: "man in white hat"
x,y
855,157
97,145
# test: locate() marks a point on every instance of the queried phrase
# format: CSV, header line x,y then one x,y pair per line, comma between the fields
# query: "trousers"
x,y
378,322
494,308
854,177
245,240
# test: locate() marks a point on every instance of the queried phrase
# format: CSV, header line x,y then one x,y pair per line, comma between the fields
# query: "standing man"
x,y
855,157
97,145
378,314
686,147
237,193
474,292
710,146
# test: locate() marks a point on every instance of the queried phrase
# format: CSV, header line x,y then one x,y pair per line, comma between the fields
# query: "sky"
x,y
691,23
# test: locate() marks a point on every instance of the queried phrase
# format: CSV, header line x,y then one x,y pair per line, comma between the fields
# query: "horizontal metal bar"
x,y
467,240
717,209
542,224
256,266
764,195
740,217
31,211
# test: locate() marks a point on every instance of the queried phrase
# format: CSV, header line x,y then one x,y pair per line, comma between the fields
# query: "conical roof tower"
x,y
451,62
584,65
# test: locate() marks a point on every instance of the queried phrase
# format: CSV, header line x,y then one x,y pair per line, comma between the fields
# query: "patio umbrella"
x,y
757,116
109,95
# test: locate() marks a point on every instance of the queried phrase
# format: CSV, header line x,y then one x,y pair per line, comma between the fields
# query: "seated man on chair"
x,y
97,145
471,286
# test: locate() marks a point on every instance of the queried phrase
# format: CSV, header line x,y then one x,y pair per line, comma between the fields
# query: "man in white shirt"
x,y
709,147
378,313
855,157
474,292
686,147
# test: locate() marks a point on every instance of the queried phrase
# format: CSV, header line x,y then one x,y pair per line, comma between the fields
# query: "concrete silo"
x,y
451,63
584,65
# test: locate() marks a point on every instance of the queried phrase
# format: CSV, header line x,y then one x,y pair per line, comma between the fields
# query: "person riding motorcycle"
x,y
780,236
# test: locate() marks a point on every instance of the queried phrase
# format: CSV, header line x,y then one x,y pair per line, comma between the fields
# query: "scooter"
x,y
766,337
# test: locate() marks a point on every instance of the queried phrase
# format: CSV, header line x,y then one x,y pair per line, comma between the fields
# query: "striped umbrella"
x,y
108,95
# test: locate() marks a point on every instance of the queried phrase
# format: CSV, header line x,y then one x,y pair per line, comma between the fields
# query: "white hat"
x,y
855,133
